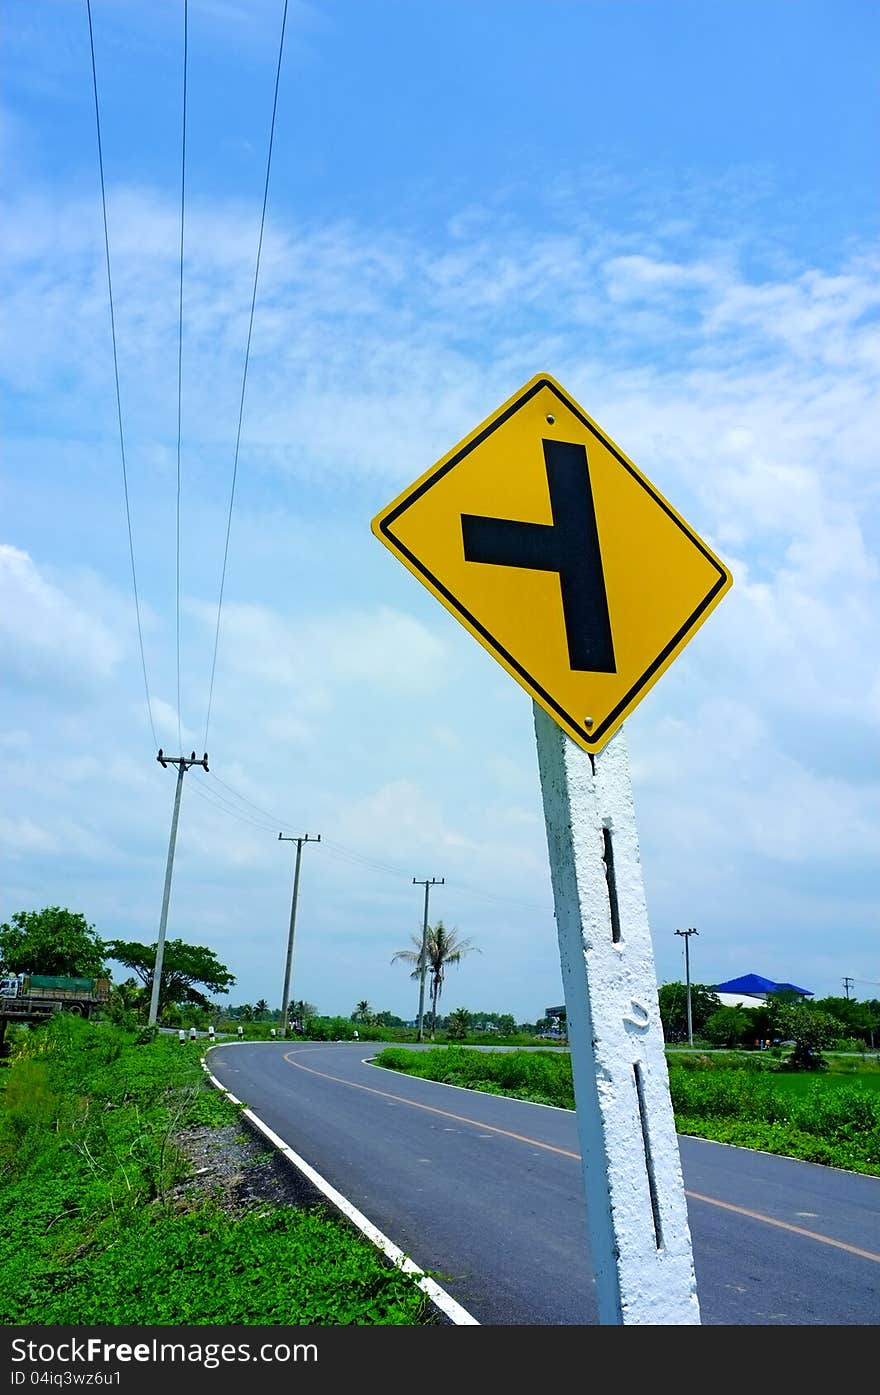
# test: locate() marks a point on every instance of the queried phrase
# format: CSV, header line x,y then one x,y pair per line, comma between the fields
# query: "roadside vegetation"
x,y
58,941
816,1025
752,1100
103,1218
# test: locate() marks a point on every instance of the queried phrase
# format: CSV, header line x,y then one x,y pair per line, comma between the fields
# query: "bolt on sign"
x,y
545,540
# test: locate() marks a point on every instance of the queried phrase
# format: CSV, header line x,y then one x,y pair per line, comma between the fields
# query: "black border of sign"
x,y
591,737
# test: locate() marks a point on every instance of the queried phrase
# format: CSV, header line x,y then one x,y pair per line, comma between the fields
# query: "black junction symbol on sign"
x,y
569,546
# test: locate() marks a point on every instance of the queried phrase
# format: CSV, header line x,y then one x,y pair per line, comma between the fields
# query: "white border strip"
x,y
441,1299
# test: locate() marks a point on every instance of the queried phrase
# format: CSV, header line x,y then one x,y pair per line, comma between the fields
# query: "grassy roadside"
x,y
103,1220
825,1119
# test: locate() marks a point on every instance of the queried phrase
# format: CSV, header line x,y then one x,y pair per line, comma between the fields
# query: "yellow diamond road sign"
x,y
559,556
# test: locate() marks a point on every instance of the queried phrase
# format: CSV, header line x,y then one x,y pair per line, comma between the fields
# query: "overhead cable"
x,y
355,857
180,353
137,606
244,375
223,808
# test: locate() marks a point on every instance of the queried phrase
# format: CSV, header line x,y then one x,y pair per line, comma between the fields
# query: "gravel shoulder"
x,y
233,1166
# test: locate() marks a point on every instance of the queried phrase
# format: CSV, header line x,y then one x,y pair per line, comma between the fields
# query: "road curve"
x,y
485,1193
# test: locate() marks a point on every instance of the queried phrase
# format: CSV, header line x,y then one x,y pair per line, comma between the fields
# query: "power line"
x,y
220,802
137,606
245,372
180,350
367,861
351,855
502,900
211,798
273,817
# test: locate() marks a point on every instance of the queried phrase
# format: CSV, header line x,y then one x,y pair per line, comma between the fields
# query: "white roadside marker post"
x,y
636,1208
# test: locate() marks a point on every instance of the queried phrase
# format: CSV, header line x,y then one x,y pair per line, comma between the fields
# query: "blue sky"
x,y
672,208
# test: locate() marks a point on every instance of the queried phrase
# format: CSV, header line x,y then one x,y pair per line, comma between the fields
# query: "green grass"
x,y
832,1119
94,1227
801,1082
542,1076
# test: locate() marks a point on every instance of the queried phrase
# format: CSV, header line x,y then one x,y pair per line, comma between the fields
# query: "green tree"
x,y
673,1008
856,1018
300,1008
443,948
363,1012
127,999
729,1026
872,1016
811,1031
388,1019
261,1009
52,941
501,1022
458,1023
299,1012
760,1023
183,968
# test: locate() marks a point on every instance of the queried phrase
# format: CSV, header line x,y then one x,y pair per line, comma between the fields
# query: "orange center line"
x,y
566,1153
432,1109
786,1225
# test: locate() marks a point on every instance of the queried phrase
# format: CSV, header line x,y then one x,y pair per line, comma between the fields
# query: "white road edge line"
x,y
441,1299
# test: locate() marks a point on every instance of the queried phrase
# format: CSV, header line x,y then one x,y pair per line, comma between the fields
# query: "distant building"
x,y
744,1000
555,1018
752,990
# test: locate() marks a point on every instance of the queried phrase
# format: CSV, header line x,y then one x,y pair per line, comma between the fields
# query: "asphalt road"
x,y
485,1192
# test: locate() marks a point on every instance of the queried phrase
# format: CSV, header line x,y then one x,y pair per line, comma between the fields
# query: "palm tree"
x,y
298,1007
261,1008
458,1023
363,1012
442,948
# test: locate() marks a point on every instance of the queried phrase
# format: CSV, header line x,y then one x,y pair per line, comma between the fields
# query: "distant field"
x,y
800,1083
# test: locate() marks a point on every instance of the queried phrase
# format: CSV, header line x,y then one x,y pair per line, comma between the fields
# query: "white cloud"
x,y
46,636
381,648
22,835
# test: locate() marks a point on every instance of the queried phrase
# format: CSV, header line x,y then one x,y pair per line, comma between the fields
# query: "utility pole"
x,y
183,764
687,971
303,838
427,884
847,985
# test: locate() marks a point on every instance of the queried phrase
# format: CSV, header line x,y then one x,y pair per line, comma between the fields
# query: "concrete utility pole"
x,y
427,884
636,1208
847,985
687,973
303,838
183,764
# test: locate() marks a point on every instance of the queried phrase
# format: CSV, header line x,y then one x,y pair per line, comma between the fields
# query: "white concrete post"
x,y
636,1207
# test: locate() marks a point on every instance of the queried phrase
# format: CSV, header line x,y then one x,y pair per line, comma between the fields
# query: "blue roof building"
x,y
758,987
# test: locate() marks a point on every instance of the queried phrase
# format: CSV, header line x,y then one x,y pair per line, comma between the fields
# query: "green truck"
x,y
28,997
